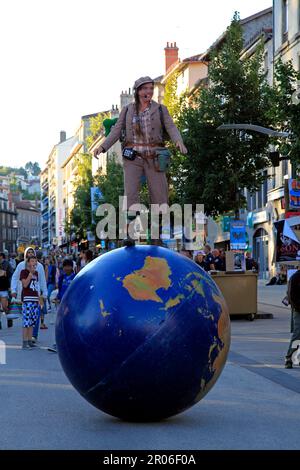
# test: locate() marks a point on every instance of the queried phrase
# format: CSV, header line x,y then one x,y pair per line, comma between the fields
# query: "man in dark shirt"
x,y
209,259
251,264
294,300
218,261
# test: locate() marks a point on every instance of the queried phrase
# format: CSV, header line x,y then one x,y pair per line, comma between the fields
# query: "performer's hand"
x,y
98,151
181,147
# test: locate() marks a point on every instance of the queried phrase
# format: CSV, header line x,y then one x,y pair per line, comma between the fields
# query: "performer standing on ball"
x,y
143,123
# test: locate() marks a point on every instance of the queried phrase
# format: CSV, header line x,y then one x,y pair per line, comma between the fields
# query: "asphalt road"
x,y
254,405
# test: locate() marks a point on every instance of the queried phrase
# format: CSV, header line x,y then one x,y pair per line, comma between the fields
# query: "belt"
x,y
131,144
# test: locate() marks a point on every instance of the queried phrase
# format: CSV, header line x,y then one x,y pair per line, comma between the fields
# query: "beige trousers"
x,y
156,180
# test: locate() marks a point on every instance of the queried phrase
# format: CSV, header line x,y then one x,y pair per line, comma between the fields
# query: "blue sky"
x,y
62,59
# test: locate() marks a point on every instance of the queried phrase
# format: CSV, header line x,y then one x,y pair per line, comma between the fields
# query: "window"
x,y
285,20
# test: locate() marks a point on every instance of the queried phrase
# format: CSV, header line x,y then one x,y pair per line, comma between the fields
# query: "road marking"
x,y
27,383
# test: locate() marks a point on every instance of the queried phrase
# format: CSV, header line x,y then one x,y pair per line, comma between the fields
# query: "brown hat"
x,y
141,81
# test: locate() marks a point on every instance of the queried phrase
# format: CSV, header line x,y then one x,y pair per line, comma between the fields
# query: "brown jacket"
x,y
156,135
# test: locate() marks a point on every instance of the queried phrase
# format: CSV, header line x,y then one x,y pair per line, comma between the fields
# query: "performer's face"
x,y
145,92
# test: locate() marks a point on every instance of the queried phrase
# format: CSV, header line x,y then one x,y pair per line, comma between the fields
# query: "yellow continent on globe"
x,y
143,283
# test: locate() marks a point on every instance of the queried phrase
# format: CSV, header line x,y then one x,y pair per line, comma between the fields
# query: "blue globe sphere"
x,y
143,333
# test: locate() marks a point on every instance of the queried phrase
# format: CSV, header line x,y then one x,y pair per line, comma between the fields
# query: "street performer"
x,y
143,124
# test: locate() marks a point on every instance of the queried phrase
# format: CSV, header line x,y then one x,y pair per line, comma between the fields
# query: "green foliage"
x,y
285,109
111,184
96,127
8,170
81,217
221,164
30,196
171,100
33,168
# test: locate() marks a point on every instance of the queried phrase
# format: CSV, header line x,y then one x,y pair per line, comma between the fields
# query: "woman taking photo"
x,y
143,123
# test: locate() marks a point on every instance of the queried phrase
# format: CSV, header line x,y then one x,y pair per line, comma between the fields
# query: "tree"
x,y
33,168
81,216
285,109
111,185
220,165
96,127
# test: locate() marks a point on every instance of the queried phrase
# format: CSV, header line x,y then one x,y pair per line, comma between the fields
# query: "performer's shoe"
x,y
288,364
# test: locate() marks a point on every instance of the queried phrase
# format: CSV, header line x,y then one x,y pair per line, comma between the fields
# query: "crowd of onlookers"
x,y
215,260
32,285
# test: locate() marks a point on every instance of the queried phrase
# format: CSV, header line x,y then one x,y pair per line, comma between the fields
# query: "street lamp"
x,y
253,127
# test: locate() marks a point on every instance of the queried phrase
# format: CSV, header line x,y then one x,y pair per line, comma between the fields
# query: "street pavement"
x,y
254,404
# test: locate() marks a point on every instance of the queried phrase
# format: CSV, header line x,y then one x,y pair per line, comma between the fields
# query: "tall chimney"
x,y
171,54
63,136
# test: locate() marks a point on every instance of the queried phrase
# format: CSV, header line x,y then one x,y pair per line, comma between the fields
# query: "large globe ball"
x,y
143,333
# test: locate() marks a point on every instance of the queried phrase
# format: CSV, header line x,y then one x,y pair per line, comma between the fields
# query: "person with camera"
x,y
142,126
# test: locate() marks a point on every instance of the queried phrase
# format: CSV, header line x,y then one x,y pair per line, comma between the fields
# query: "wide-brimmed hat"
x,y
141,81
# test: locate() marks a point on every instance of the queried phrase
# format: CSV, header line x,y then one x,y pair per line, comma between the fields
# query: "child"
x,y
31,299
64,281
65,278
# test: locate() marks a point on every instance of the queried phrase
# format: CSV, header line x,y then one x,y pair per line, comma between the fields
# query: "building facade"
x,y
52,193
29,223
268,205
8,223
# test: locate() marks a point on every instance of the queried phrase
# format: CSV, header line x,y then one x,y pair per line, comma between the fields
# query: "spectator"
x,y
43,310
20,258
223,257
88,256
80,261
51,273
16,288
30,298
294,300
209,259
251,264
218,261
64,281
199,259
186,253
279,279
12,261
5,279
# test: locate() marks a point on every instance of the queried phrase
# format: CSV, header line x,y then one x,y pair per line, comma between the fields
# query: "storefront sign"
x,y
294,190
238,235
259,217
287,248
